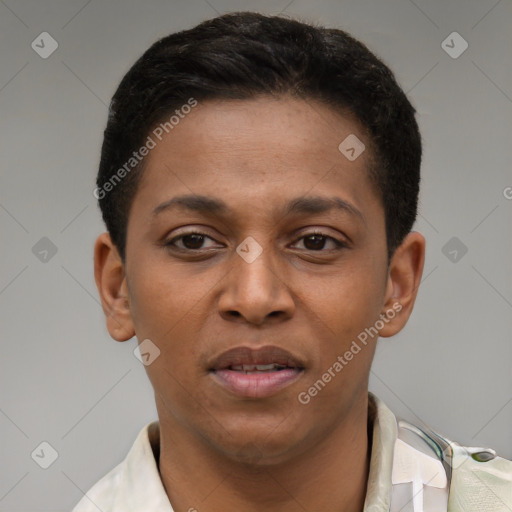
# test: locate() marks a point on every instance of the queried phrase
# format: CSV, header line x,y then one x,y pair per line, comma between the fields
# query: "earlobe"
x,y
110,277
404,277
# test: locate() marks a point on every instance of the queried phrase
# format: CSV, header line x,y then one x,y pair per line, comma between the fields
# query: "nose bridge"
x,y
255,288
254,269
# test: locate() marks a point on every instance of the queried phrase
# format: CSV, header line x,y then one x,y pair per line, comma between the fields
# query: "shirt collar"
x,y
385,431
140,486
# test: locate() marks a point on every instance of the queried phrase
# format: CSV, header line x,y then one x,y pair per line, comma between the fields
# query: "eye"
x,y
317,242
190,241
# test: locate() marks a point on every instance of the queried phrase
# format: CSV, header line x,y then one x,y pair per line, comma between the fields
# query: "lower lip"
x,y
256,385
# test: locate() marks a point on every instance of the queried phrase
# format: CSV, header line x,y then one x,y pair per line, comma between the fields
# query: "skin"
x,y
220,451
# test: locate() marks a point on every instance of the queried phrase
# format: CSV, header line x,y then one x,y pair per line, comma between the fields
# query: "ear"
x,y
404,277
111,282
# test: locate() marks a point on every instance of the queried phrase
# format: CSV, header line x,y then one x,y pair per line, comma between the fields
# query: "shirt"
x,y
135,484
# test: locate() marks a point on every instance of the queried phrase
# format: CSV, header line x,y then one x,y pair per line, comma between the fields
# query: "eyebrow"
x,y
197,203
301,205
318,204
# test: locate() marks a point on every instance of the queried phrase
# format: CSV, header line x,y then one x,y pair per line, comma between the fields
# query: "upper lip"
x,y
264,355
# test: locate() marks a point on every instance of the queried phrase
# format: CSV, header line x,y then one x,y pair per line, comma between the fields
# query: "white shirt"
x,y
135,484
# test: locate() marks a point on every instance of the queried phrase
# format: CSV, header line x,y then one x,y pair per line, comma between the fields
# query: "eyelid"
x,y
312,231
342,238
171,241
339,243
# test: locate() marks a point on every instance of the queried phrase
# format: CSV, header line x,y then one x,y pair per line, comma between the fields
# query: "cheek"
x,y
346,348
157,302
170,311
350,303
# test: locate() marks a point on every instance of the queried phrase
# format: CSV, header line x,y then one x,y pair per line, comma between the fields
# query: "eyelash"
x,y
171,243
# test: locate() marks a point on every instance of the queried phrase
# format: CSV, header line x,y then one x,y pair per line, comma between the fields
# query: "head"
x,y
259,182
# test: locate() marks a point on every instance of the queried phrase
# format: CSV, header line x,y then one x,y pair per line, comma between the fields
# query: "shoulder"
x,y
102,494
132,483
477,477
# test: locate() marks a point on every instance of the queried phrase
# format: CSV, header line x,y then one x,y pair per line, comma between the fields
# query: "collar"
x,y
140,487
385,431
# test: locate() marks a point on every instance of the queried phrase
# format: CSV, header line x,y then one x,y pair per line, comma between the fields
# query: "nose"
x,y
255,292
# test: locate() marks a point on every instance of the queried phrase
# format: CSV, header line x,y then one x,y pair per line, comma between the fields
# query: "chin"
x,y
264,446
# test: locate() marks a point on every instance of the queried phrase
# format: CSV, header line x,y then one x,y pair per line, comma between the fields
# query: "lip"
x,y
256,384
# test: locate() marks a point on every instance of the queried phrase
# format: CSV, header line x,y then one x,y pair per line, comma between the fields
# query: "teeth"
x,y
255,368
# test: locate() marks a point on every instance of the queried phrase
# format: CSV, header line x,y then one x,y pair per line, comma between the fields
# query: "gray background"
x,y
63,379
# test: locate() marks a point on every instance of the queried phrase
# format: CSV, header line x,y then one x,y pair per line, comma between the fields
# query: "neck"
x,y
331,474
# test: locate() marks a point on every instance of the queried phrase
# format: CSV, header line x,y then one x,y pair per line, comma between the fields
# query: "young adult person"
x,y
259,182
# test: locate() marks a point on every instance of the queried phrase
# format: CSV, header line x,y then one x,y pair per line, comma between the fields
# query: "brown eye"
x,y
191,242
317,242
314,242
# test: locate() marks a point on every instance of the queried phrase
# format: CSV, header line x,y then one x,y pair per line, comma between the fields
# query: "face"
x,y
256,255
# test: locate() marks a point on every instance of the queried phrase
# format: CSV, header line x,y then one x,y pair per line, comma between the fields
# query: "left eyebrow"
x,y
319,204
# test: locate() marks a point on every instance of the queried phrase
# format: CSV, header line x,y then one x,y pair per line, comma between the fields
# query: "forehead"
x,y
257,152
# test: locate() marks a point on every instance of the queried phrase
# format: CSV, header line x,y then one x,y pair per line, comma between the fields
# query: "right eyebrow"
x,y
197,203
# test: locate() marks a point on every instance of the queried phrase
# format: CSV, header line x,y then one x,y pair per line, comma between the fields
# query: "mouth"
x,y
260,373
257,368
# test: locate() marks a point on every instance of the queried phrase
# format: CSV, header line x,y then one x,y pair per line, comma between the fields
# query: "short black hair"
x,y
244,55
